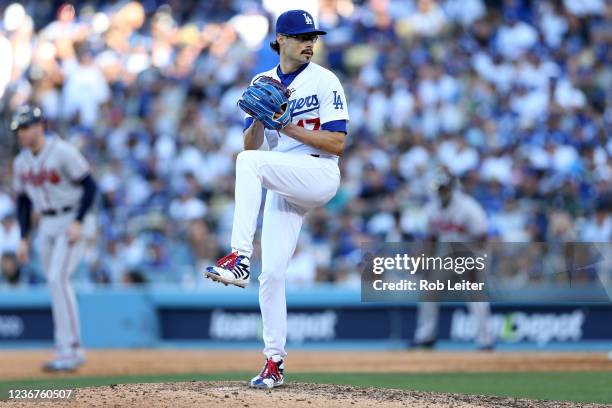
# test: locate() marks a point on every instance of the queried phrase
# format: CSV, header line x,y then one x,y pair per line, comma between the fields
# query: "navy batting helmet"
x,y
26,115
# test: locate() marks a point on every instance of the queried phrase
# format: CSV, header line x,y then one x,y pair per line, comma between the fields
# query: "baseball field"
x,y
185,378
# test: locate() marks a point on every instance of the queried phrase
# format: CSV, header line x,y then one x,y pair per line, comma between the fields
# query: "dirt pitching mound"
x,y
238,394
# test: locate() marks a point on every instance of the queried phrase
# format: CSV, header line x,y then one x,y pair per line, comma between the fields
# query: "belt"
x,y
325,156
59,211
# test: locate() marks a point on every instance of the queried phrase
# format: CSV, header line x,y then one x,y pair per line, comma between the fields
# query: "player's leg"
x,y
301,179
280,231
74,256
63,262
426,332
281,227
61,325
481,312
46,250
47,243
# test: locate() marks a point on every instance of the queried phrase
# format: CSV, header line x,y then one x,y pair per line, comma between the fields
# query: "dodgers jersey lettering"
x,y
317,100
50,178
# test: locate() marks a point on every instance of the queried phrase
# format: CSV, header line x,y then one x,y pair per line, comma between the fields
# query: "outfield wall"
x,y
323,317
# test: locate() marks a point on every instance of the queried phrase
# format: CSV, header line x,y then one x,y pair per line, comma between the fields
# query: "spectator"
x,y
11,273
518,108
465,12
134,278
515,37
85,89
429,19
9,234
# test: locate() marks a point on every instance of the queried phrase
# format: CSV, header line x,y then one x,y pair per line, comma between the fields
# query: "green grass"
x,y
566,386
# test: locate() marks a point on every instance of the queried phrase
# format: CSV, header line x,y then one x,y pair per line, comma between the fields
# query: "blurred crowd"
x,y
514,97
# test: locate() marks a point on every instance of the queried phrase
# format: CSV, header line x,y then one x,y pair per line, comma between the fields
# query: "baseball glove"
x,y
267,101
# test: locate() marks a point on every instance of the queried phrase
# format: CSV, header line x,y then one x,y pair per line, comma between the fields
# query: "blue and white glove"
x,y
267,101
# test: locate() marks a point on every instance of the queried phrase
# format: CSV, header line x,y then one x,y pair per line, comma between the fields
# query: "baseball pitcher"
x,y
52,178
298,111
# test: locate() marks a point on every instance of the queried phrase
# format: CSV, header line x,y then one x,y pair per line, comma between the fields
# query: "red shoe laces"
x,y
228,259
271,370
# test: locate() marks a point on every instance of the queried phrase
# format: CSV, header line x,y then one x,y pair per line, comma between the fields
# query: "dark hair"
x,y
134,277
12,276
275,46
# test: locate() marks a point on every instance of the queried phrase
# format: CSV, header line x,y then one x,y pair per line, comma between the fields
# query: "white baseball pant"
x,y
296,183
60,260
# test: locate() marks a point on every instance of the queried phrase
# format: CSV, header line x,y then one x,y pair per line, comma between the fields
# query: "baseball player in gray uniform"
x,y
300,172
51,177
453,216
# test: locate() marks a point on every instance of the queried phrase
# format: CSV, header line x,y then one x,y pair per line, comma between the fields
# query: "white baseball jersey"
x,y
50,178
317,102
463,219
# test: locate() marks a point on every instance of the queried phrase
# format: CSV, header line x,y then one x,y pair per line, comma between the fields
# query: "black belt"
x,y
315,155
59,211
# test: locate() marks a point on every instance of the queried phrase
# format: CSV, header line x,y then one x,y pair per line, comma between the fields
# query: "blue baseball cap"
x,y
295,22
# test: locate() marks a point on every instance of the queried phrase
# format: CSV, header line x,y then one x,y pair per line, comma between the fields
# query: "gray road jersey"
x,y
50,178
462,220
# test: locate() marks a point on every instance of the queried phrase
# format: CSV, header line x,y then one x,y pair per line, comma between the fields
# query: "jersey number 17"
x,y
314,121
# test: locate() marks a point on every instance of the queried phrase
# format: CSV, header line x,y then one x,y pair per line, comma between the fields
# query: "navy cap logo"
x,y
295,22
